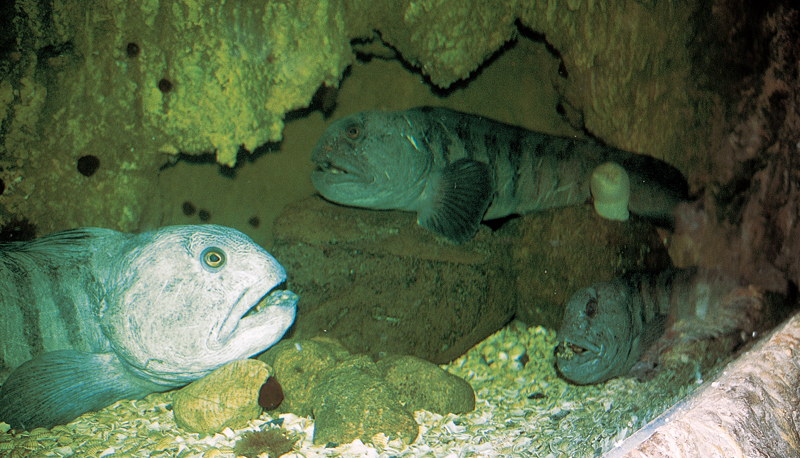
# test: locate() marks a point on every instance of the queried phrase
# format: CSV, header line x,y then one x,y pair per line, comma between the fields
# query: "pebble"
x,y
225,398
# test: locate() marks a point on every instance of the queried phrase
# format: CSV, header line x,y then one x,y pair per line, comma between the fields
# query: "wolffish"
x,y
619,327
90,316
456,169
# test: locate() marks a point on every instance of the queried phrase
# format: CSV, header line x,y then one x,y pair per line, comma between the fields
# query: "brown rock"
x,y
557,252
383,285
227,397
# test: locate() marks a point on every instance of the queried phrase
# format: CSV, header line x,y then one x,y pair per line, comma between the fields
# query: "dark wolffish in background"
x,y
90,316
455,169
622,326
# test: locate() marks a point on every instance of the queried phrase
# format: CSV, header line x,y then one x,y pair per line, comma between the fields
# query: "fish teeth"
x,y
274,298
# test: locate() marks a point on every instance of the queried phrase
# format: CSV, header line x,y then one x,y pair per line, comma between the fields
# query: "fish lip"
x,y
337,164
231,325
330,167
582,344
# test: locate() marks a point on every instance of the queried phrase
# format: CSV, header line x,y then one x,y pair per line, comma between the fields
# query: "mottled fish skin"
x,y
90,316
609,326
455,169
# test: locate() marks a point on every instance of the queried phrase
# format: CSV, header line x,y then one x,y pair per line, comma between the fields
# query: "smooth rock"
x,y
383,285
227,397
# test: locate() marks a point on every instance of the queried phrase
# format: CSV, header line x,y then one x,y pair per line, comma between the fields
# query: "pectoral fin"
x,y
57,387
465,190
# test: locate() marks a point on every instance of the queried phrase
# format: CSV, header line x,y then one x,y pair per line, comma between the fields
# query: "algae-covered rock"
x,y
298,366
131,84
199,76
225,398
422,385
351,397
353,401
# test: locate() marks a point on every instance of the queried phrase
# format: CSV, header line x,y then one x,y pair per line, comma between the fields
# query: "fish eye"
x,y
213,257
591,308
353,131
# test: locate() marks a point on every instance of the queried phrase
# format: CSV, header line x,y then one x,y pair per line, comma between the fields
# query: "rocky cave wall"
x,y
133,84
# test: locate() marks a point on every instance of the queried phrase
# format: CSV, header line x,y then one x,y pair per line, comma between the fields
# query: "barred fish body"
x,y
609,326
90,316
456,169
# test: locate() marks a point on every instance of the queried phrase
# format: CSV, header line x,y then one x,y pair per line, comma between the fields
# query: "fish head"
x,y
372,159
595,338
185,300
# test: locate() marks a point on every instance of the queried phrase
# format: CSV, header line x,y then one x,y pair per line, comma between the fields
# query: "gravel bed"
x,y
523,409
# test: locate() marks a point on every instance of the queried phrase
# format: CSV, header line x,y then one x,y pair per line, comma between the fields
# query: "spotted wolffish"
x,y
90,316
456,169
609,326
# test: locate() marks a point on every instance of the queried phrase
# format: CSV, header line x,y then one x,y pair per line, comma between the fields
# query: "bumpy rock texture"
x,y
746,220
225,398
351,397
132,84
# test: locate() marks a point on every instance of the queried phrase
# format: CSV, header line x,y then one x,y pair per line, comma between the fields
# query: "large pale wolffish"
x,y
456,169
609,326
90,316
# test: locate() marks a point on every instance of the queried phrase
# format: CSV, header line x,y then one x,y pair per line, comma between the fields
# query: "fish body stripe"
x,y
529,167
456,169
50,296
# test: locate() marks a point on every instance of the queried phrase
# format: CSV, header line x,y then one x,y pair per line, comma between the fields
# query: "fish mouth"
x,y
330,167
577,347
337,166
258,313
330,163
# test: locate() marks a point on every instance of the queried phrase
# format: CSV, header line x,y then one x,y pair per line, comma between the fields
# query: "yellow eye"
x,y
213,257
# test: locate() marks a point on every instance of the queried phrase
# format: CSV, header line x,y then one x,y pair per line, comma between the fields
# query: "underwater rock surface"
x,y
225,398
351,397
135,84
750,410
383,285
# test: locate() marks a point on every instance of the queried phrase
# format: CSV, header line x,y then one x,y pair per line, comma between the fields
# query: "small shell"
x,y
213,453
65,440
37,433
30,444
6,445
93,443
380,440
94,450
133,440
165,444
